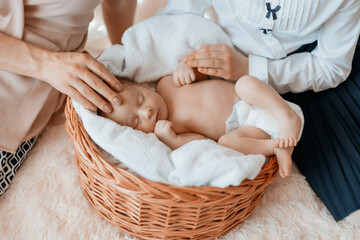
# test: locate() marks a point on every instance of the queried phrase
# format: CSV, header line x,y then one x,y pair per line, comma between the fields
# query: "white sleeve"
x,y
186,6
327,65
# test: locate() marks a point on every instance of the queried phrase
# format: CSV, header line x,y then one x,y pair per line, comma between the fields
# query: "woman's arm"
x,y
328,64
118,16
77,75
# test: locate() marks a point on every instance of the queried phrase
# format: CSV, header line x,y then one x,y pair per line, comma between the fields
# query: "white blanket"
x,y
152,49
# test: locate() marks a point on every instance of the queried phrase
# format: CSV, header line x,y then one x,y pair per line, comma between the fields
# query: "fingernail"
x,y
119,87
107,109
93,108
117,100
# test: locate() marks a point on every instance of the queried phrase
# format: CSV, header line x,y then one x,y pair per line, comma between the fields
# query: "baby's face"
x,y
141,108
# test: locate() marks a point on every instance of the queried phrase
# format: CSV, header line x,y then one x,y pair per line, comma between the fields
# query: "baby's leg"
x,y
251,140
248,140
258,93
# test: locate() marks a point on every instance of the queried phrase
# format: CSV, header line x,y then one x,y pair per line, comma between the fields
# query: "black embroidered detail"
x,y
123,65
272,11
265,31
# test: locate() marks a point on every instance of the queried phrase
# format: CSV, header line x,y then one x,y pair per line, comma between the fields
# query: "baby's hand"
x,y
183,75
163,130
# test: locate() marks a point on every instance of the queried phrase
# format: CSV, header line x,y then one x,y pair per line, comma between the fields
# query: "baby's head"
x,y
141,107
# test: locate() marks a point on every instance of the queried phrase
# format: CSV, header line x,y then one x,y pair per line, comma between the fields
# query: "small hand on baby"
x,y
183,75
163,130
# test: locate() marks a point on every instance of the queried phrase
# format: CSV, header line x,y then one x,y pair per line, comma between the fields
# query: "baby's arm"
x,y
163,130
184,75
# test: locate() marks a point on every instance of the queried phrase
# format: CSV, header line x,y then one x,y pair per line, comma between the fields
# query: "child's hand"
x,y
163,130
183,75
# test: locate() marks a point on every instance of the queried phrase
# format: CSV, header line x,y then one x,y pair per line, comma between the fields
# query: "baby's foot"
x,y
285,142
283,156
289,129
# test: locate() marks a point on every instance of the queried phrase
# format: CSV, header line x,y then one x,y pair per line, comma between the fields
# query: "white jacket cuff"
x,y
258,67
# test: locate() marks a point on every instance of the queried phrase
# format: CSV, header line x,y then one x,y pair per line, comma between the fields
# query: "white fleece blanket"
x,y
150,50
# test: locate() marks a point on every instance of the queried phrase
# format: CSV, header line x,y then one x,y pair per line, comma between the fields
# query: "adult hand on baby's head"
x,y
82,78
218,60
163,130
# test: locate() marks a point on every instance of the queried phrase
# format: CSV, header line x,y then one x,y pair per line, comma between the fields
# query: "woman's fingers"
x,y
218,56
100,87
83,78
88,93
100,70
74,94
207,63
218,72
208,54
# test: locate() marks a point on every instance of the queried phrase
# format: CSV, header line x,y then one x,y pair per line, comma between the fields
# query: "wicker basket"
x,y
153,210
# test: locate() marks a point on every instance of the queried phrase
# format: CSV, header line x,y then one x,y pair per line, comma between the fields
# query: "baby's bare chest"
x,y
203,111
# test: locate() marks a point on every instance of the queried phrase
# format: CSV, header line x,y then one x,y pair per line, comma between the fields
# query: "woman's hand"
x,y
81,77
218,60
75,74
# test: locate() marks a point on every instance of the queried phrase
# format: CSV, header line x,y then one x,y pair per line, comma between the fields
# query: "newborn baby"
x,y
179,111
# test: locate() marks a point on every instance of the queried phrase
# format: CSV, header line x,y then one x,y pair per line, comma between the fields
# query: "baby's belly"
x,y
211,122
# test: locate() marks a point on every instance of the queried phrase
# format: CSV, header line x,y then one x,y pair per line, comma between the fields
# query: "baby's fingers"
x,y
188,79
176,80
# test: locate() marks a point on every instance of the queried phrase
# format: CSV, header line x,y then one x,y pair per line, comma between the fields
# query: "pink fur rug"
x,y
45,201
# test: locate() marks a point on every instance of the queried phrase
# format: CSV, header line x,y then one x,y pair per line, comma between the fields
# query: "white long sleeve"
x,y
329,63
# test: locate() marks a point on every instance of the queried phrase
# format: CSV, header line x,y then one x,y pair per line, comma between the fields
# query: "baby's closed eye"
x,y
140,99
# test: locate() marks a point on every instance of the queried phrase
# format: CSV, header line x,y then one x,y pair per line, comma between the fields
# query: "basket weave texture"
x,y
153,210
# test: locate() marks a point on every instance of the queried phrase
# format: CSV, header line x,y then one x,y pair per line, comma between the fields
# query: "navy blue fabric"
x,y
328,153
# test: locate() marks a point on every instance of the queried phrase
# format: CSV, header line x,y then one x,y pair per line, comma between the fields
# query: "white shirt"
x,y
267,36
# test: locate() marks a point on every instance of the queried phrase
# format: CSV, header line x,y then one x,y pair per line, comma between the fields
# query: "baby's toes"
x,y
291,142
295,142
287,142
281,142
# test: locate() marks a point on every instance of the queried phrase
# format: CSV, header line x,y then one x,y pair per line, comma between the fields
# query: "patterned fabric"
x,y
10,162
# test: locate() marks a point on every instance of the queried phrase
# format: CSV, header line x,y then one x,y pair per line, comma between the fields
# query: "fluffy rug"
x,y
45,201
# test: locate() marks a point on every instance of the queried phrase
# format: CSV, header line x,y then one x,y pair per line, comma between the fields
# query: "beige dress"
x,y
26,104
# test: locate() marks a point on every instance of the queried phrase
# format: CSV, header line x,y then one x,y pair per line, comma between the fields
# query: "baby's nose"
x,y
146,113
